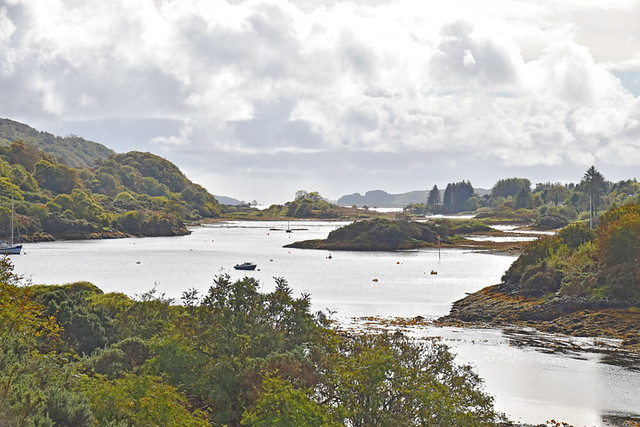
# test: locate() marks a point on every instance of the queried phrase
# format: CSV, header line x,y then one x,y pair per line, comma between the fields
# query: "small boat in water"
x,y
245,266
9,248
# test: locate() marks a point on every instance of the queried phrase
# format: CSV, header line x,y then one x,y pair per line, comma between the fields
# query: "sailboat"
x,y
288,230
7,248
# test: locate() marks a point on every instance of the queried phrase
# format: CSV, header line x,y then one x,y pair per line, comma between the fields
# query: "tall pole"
x,y
590,211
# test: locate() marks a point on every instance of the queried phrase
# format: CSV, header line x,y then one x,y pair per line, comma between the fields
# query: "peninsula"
x,y
579,282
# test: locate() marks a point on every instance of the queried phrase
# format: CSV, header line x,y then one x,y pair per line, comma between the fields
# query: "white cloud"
x,y
506,82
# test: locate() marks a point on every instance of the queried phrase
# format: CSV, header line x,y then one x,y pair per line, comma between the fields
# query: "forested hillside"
x,y
133,193
580,263
72,151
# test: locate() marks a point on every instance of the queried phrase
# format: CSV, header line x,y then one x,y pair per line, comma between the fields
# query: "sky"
x,y
258,99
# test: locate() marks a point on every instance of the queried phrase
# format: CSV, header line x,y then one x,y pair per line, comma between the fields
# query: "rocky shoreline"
x,y
580,318
46,237
459,243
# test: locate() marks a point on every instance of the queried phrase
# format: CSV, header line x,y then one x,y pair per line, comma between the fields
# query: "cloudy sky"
x,y
257,99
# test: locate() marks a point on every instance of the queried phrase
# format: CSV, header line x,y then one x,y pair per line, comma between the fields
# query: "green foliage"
x,y
556,194
72,203
434,198
85,326
55,177
26,156
118,359
34,381
550,222
71,150
575,235
392,380
456,195
535,252
144,173
510,187
281,404
580,263
523,199
386,231
305,205
234,355
471,205
139,400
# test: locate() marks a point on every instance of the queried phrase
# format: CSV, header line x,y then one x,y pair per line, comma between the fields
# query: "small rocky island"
x,y
390,235
578,282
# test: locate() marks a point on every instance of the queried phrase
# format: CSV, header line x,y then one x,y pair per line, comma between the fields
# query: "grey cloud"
x,y
464,61
285,94
266,48
272,128
357,55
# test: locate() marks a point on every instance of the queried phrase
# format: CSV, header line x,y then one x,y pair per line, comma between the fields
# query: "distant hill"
x,y
105,195
382,199
72,151
224,200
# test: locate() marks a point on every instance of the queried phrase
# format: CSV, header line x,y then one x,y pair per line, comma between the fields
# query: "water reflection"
x,y
576,348
535,377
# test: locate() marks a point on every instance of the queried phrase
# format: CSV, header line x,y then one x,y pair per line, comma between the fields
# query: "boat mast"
x,y
12,220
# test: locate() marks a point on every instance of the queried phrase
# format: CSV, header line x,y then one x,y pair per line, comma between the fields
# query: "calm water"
x,y
530,383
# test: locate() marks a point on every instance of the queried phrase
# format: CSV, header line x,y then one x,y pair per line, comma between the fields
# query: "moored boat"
x,y
245,266
10,248
7,248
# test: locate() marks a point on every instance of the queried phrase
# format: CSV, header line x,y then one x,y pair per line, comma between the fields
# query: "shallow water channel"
x,y
534,377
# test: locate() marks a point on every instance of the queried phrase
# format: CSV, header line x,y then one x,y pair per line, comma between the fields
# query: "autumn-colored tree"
x,y
618,235
55,177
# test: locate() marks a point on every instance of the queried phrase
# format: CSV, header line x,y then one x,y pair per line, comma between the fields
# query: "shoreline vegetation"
x,y
579,282
73,355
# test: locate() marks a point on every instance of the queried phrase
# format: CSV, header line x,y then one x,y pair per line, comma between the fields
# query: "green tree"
x,y
35,387
575,235
524,199
594,187
509,187
434,198
281,404
556,194
55,177
471,205
27,155
393,380
139,400
618,235
456,195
